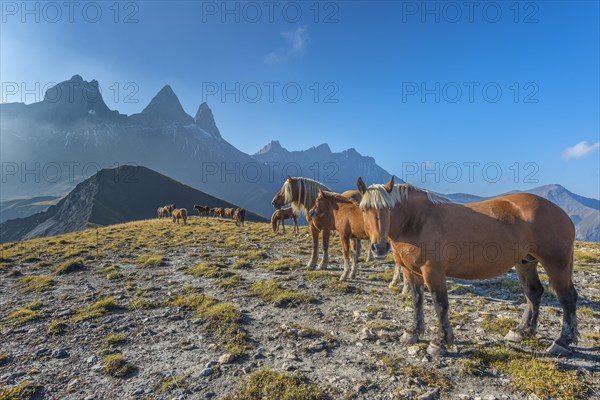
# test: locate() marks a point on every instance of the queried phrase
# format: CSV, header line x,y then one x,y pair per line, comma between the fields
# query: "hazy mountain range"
x,y
48,147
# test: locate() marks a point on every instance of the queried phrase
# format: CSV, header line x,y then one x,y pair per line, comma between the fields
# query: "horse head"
x,y
376,208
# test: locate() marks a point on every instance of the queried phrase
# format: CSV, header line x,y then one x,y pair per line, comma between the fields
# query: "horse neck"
x,y
409,216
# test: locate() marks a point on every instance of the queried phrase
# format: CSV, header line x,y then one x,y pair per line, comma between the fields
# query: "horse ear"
x,y
390,185
362,188
289,178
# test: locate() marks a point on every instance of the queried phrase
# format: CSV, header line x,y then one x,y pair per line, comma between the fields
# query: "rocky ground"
x,y
155,310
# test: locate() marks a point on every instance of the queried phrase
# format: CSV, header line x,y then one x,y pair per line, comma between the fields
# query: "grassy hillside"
x,y
152,309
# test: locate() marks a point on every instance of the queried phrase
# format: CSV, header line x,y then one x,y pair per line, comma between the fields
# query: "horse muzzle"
x,y
380,250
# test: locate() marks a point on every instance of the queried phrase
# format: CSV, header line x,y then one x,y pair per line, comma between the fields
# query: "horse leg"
x,y
436,282
560,279
314,233
325,260
369,253
356,243
528,275
411,335
283,224
346,252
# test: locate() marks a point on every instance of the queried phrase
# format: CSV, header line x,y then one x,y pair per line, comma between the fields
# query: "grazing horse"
x,y
228,212
179,213
217,212
433,239
302,193
202,209
239,215
279,216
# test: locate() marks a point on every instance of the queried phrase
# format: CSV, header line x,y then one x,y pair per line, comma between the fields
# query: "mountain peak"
x,y
206,121
273,146
165,107
74,99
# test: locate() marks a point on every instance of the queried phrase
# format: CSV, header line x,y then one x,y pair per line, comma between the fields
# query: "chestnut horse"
x,y
340,213
217,212
228,212
202,209
163,212
239,215
433,239
301,193
179,213
279,217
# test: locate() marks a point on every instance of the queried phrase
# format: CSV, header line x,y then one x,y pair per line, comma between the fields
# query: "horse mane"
x,y
378,197
308,190
340,198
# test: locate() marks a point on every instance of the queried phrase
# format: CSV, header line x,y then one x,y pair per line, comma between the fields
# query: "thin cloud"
x,y
295,45
581,149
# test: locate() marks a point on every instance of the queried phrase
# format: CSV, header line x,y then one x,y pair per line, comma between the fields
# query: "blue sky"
x,y
391,79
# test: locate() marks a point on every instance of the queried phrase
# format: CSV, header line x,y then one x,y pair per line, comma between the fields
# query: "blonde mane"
x,y
377,196
308,190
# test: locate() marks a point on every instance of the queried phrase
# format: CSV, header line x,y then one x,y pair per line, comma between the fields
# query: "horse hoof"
x,y
513,336
435,350
393,285
322,267
410,338
557,350
343,278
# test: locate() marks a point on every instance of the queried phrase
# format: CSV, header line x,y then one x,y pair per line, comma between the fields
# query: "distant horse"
x,y
301,193
339,213
179,213
279,216
217,212
170,207
162,212
202,209
433,239
228,212
239,215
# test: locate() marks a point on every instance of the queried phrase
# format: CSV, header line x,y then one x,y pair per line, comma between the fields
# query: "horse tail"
x,y
274,221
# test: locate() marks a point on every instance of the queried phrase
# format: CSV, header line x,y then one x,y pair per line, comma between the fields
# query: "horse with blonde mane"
x,y
433,238
239,216
162,212
301,193
279,216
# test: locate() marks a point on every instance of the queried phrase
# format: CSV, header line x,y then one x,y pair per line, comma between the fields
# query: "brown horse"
x,y
339,213
202,209
433,239
279,216
301,193
179,213
163,212
228,212
239,215
217,212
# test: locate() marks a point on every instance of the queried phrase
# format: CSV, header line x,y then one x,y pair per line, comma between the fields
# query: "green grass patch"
x,y
266,384
151,260
283,264
499,326
209,270
35,283
171,383
57,327
69,266
229,283
272,291
430,377
96,310
114,339
222,319
25,390
22,316
116,365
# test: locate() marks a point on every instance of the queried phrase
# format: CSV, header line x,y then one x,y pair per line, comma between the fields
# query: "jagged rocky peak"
x,y
206,121
322,148
75,98
165,107
274,146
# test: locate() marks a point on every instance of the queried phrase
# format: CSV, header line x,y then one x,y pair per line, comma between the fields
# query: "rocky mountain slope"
x,y
111,196
209,310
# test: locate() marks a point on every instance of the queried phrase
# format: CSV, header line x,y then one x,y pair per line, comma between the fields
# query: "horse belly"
x,y
485,263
